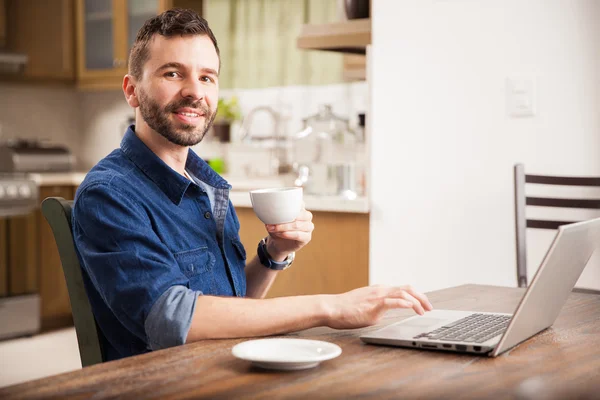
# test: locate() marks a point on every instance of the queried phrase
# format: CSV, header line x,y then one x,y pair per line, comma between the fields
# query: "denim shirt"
x,y
150,242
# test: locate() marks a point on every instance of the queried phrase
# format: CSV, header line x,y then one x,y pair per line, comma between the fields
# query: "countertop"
x,y
239,194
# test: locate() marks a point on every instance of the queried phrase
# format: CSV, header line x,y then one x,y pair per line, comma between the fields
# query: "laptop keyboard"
x,y
476,328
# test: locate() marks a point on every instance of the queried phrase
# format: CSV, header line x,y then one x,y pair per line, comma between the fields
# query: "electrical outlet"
x,y
520,97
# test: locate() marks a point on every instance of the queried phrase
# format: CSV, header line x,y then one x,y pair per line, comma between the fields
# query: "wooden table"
x,y
561,362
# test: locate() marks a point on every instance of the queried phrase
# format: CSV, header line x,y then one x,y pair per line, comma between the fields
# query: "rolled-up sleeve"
x,y
133,271
170,318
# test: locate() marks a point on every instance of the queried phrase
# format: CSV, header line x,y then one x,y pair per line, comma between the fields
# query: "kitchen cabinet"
x,y
336,260
86,42
106,31
3,258
55,303
2,23
44,31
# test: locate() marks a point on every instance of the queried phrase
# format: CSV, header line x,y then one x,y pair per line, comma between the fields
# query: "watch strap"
x,y
267,261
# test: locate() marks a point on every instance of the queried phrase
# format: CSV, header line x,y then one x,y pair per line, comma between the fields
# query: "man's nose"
x,y
193,89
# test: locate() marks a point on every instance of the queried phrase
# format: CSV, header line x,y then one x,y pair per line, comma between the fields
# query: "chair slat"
x,y
564,203
541,224
562,180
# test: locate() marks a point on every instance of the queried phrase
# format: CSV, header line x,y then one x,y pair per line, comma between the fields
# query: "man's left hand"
x,y
286,238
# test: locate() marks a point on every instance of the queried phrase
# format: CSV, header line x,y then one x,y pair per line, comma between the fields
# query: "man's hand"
x,y
286,238
365,306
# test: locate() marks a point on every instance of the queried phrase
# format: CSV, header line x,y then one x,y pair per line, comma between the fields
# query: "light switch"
x,y
520,97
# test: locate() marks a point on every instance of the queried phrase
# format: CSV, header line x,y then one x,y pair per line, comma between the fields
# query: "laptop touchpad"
x,y
423,322
407,329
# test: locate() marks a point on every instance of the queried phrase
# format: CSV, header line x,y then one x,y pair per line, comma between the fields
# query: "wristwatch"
x,y
267,261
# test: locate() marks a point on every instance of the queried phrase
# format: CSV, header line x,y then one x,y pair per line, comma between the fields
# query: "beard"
x,y
180,134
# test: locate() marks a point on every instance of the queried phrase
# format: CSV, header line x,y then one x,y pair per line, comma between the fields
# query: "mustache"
x,y
171,107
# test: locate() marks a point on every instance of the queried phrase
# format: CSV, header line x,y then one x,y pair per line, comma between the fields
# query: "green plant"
x,y
228,111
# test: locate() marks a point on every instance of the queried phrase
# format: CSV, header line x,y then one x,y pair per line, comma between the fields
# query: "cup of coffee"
x,y
277,205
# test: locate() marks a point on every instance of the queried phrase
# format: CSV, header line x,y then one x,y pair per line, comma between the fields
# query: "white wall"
x,y
443,145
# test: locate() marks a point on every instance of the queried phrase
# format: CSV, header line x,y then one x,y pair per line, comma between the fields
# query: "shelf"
x,y
350,36
99,16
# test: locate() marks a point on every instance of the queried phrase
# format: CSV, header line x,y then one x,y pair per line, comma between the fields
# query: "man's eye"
x,y
171,74
206,79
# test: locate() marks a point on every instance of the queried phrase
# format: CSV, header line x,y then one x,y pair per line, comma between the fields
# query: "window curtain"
x,y
257,40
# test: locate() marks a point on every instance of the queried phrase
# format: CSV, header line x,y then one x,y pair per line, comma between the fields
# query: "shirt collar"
x,y
166,178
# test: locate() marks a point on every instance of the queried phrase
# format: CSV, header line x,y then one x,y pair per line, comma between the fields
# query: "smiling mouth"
x,y
189,114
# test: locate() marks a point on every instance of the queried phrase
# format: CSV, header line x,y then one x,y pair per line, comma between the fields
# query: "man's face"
x,y
179,88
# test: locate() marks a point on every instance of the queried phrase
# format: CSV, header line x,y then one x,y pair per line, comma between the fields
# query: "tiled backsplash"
x,y
91,124
40,112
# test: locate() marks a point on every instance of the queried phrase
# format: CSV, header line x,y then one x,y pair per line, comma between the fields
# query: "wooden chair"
x,y
57,212
522,201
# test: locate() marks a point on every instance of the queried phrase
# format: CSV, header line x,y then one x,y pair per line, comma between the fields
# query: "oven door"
x,y
19,298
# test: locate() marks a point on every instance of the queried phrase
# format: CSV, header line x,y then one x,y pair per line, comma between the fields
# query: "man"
x,y
156,235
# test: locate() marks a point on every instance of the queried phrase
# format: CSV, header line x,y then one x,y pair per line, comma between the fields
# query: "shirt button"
x,y
207,215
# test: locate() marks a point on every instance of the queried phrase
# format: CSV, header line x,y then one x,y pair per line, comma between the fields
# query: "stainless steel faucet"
x,y
280,164
246,123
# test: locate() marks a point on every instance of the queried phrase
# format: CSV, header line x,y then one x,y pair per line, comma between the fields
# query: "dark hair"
x,y
170,23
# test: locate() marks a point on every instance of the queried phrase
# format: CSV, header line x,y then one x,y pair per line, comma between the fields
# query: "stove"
x,y
19,195
26,155
19,312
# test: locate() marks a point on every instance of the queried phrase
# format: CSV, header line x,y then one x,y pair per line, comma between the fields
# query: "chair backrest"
x,y
58,214
522,201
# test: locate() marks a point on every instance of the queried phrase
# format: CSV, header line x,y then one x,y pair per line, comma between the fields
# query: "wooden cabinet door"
x,y
99,39
106,31
55,304
2,23
3,258
44,31
138,11
335,261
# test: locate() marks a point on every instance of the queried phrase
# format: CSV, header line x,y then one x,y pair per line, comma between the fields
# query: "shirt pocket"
x,y
197,265
239,248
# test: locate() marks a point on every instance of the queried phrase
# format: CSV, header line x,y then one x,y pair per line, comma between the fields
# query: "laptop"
x,y
492,334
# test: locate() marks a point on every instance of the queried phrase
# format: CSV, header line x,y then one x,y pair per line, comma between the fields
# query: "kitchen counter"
x,y
58,178
239,194
312,202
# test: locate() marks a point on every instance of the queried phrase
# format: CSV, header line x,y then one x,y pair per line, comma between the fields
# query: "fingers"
x,y
299,236
421,297
407,301
407,298
305,215
397,303
416,305
298,225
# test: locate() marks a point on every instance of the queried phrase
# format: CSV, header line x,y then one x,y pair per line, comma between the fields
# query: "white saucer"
x,y
286,353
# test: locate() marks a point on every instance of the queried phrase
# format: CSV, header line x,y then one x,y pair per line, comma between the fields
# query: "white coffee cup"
x,y
277,205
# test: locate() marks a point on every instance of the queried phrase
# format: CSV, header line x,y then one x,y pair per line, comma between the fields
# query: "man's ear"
x,y
129,85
